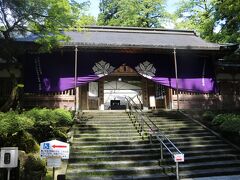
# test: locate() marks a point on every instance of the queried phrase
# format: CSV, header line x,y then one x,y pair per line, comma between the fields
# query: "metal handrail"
x,y
176,154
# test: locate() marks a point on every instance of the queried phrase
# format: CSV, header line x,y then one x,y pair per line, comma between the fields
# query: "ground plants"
x,y
228,125
208,116
27,129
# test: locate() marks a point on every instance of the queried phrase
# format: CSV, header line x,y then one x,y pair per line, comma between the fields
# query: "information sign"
x,y
179,157
54,162
54,148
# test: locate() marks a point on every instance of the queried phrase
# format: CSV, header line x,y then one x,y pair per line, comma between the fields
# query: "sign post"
x,y
178,158
9,159
54,151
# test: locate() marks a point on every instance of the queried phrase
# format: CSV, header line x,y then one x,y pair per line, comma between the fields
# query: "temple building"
x,y
157,68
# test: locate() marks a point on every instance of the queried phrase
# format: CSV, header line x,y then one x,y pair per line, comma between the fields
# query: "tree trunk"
x,y
8,104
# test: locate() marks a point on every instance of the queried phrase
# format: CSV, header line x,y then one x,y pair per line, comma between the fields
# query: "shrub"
x,y
231,125
221,118
43,116
24,141
12,122
34,168
47,121
47,117
63,117
60,135
208,116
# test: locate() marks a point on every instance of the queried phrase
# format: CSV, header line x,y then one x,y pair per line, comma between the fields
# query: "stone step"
x,y
125,126
180,129
124,177
141,170
175,126
182,166
146,156
209,165
191,152
91,116
211,172
133,135
138,138
105,120
126,167
150,169
177,142
114,163
100,131
104,128
152,156
92,123
146,146
113,134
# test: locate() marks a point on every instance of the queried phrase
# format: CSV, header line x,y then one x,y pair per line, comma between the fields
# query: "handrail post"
x,y
142,126
150,138
161,151
177,171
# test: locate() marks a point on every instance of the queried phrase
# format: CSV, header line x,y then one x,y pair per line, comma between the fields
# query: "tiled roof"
x,y
120,37
115,37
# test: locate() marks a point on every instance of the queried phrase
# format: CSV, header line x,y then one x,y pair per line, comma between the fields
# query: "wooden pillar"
x,y
145,92
101,93
169,101
84,97
176,76
77,98
76,106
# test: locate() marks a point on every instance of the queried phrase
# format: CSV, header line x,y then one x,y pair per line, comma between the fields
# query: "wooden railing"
x,y
64,99
189,100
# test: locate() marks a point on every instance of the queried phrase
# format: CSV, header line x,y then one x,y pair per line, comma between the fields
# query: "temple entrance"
x,y
116,91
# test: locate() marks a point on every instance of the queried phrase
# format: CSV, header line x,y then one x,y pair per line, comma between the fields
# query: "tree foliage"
x,y
215,20
227,13
44,18
137,13
196,15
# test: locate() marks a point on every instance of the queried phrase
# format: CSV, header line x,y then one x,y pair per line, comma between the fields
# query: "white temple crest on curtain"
x,y
102,68
146,69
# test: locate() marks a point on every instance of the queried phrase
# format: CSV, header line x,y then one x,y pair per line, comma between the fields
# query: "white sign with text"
x,y
54,148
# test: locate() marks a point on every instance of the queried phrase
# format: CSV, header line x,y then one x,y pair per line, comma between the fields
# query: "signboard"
x,y
54,162
160,91
9,157
54,148
152,101
179,157
93,89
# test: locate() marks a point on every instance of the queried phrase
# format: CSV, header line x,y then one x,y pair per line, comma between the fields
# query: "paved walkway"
x,y
237,177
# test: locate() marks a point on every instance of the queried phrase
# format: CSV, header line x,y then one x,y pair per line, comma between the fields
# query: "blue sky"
x,y
94,10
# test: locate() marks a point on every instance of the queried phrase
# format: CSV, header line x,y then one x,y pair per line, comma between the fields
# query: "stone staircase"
x,y
107,145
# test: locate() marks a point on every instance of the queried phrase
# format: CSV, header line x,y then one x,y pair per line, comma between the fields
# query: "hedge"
x,y
221,118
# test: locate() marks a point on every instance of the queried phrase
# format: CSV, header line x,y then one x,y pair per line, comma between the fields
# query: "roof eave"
x,y
114,46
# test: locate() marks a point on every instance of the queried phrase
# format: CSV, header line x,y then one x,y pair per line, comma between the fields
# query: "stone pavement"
x,y
237,177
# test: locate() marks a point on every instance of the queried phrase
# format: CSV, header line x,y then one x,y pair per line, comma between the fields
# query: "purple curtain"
x,y
54,72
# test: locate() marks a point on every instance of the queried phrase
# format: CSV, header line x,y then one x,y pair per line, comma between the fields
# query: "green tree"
x,y
215,20
227,14
197,15
137,13
43,18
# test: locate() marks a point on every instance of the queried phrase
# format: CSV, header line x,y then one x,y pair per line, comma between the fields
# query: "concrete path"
x,y
237,177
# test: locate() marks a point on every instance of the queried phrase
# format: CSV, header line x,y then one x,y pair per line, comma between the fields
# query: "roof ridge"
x,y
137,29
